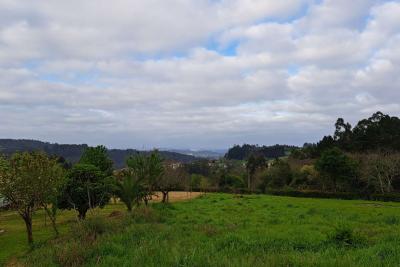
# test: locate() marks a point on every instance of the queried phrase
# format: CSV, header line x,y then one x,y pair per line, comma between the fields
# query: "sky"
x,y
201,74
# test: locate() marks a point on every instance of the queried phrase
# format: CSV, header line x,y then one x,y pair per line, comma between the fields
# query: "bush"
x,y
344,235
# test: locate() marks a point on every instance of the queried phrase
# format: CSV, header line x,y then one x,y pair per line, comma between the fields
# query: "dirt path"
x,y
177,196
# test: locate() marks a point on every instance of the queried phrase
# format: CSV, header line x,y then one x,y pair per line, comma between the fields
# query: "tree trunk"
x,y
334,184
165,196
248,180
27,216
52,219
82,214
129,206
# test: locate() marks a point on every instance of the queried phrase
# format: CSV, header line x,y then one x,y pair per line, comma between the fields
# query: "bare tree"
x,y
381,169
172,178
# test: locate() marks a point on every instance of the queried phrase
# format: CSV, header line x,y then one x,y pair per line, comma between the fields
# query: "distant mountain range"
x,y
72,153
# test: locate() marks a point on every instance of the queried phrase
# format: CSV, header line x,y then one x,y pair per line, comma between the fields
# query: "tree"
x,y
254,162
381,170
337,167
343,134
278,175
172,178
194,181
98,157
306,178
129,188
29,181
87,187
148,169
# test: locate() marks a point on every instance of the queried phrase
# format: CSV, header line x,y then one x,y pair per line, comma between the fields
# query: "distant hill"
x,y
243,152
208,154
72,153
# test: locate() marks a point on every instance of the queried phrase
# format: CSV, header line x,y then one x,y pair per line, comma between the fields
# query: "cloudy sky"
x,y
194,73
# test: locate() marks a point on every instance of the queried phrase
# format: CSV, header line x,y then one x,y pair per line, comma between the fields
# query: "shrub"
x,y
391,220
344,235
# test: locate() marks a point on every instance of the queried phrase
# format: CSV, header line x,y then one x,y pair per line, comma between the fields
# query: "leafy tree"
x,y
343,134
230,180
305,178
98,157
254,162
199,167
87,187
204,184
148,169
194,181
337,167
29,181
278,175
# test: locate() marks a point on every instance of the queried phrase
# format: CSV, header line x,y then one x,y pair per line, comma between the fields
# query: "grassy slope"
x,y
224,230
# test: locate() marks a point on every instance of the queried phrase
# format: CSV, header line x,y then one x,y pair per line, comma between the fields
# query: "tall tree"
x,y
337,167
29,181
278,175
254,162
98,157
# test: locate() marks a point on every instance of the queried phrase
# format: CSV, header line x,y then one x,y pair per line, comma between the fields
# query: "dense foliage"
x,y
87,187
243,152
30,181
380,132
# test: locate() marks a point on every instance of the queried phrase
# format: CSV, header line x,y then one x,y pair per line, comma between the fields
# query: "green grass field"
x,y
216,230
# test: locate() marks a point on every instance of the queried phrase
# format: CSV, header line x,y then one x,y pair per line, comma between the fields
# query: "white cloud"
x,y
194,73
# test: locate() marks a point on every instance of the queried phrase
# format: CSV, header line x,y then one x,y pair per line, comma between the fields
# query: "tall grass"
x,y
225,230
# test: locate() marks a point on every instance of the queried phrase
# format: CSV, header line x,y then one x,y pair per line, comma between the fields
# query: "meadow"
x,y
214,230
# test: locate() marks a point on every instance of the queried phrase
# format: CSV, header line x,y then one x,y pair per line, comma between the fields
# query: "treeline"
x,y
72,153
380,132
242,152
359,162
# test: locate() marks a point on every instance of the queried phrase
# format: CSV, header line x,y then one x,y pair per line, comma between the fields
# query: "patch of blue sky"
x,y
229,50
301,12
31,64
74,78
177,53
293,69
